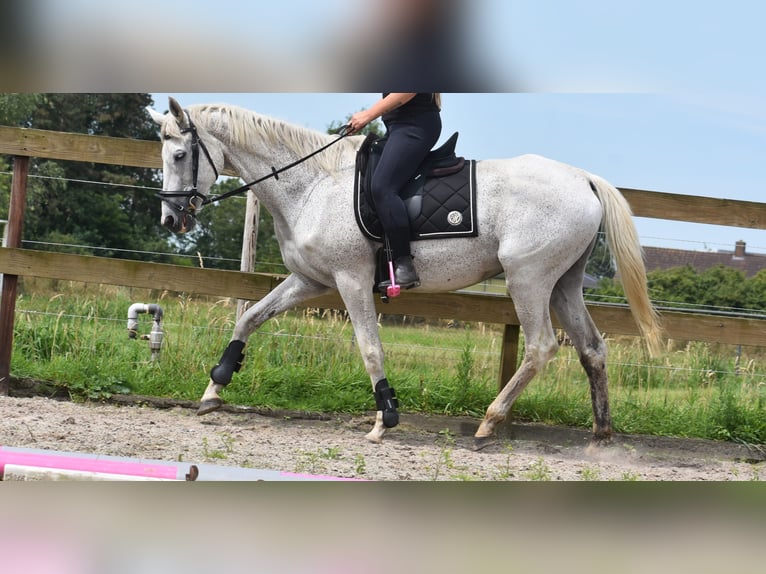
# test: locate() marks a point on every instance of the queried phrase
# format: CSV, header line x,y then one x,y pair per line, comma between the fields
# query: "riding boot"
x,y
404,272
398,246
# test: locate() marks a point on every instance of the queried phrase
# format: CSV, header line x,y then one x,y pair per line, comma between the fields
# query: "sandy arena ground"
x,y
421,448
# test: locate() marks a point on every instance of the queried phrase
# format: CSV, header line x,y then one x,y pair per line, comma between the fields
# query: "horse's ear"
x,y
177,111
156,116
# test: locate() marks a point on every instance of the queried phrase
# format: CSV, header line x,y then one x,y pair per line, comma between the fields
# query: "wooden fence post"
x,y
249,240
8,302
509,354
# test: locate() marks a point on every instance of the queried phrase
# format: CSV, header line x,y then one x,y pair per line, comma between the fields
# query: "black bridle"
x,y
189,207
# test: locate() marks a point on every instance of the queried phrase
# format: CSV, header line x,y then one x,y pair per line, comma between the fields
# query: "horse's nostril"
x,y
170,221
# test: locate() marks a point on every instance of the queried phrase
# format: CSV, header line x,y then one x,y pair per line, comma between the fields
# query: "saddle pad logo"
x,y
454,218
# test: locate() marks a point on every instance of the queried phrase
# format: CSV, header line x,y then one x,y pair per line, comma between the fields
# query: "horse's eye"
x,y
166,137
180,155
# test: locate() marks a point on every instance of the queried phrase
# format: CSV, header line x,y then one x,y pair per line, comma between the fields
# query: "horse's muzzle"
x,y
180,223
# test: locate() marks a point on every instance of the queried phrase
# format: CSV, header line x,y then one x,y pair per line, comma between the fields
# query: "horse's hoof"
x,y
374,437
601,441
597,446
208,406
481,442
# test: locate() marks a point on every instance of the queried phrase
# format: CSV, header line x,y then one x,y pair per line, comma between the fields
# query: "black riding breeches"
x,y
407,146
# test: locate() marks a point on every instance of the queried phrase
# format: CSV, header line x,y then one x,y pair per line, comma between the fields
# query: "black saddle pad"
x,y
440,199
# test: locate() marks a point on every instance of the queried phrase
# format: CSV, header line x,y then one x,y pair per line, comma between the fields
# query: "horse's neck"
x,y
281,194
274,141
275,146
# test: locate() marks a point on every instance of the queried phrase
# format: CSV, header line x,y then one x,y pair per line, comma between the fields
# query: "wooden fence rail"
x,y
463,306
612,319
142,153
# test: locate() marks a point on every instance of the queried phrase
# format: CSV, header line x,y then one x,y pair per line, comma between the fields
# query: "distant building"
x,y
660,258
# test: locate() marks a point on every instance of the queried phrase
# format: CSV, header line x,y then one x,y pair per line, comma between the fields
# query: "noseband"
x,y
189,207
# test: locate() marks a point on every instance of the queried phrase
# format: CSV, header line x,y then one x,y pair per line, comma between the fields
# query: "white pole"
x,y
249,239
4,223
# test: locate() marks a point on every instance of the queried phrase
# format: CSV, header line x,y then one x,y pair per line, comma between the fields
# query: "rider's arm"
x,y
386,104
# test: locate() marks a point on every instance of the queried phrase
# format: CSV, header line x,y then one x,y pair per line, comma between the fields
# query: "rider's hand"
x,y
358,121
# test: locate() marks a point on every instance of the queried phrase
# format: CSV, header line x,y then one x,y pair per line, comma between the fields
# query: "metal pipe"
x,y
133,312
156,335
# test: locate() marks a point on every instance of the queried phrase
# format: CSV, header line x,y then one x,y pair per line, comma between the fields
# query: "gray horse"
x,y
538,221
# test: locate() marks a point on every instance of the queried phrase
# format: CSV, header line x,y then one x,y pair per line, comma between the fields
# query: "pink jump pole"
x,y
37,461
37,464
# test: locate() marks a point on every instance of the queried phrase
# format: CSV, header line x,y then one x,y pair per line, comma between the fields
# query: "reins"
x,y
193,193
275,172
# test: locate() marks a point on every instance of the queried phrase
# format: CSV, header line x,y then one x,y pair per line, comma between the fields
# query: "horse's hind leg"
x,y
569,306
292,291
533,311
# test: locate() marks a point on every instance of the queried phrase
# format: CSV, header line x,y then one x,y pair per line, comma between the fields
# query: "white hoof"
x,y
378,431
210,401
374,436
212,392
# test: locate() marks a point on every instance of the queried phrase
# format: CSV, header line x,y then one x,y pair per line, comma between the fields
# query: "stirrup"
x,y
390,287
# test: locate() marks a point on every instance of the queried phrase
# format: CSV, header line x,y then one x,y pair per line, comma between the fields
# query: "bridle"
x,y
189,207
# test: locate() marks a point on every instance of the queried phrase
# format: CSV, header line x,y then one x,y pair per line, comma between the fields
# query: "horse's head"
x,y
186,180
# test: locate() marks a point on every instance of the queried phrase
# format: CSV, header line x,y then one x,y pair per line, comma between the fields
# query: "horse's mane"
x,y
241,127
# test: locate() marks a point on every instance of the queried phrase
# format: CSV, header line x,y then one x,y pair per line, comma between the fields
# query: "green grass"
x,y
75,336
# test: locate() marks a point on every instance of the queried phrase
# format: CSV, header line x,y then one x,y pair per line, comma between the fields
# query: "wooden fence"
x,y
613,319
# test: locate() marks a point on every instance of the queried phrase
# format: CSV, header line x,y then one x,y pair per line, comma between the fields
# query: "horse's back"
x,y
536,171
537,190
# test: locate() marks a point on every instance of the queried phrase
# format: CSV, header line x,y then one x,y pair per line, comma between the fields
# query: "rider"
x,y
413,126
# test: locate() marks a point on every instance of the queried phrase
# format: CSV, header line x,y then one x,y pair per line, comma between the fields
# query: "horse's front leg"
x,y
291,292
358,298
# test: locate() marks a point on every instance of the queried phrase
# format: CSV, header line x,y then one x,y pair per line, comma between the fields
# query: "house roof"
x,y
659,258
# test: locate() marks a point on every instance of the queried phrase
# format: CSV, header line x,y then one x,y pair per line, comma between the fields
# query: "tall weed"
x,y
76,337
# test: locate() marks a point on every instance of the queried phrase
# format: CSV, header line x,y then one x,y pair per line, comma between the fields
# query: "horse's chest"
x,y
319,235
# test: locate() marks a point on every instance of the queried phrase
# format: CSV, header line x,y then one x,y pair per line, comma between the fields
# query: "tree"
x,y
218,234
719,287
374,127
755,292
14,111
600,264
114,214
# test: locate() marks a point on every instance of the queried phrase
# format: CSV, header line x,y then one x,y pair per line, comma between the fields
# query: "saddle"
x,y
440,198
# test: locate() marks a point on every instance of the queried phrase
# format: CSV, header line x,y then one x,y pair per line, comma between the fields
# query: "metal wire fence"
x,y
456,347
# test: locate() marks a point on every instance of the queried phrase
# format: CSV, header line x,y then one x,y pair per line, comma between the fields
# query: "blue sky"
x,y
657,95
702,145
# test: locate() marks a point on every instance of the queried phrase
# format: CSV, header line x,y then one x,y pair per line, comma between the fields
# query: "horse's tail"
x,y
622,238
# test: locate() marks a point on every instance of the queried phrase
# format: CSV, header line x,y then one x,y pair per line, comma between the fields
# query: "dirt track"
x,y
420,448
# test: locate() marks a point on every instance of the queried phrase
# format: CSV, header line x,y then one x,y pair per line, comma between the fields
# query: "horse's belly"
x,y
450,264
